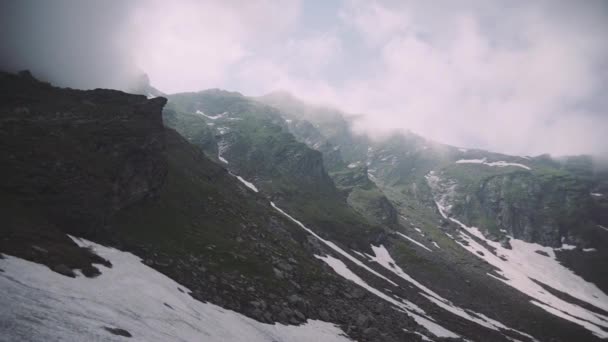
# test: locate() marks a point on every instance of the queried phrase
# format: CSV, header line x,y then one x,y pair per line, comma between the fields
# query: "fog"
x,y
517,77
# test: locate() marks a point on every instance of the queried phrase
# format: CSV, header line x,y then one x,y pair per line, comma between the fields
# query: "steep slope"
x,y
252,141
71,160
199,224
273,237
522,199
468,287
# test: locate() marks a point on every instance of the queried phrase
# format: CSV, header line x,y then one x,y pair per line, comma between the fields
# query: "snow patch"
x,y
212,117
333,246
521,267
130,296
383,257
436,245
596,194
565,247
484,162
410,308
414,241
247,184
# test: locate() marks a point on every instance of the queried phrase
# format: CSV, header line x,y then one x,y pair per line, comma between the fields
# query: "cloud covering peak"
x,y
511,76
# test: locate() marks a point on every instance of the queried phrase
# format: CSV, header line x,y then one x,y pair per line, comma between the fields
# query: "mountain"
x,y
215,216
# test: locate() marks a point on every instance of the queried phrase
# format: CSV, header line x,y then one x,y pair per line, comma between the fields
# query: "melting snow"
x,y
523,264
333,246
565,247
212,117
222,147
383,257
414,241
519,265
589,250
41,305
484,162
247,184
410,308
596,194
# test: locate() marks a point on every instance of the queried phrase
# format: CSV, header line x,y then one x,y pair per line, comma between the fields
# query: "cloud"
x,y
512,76
81,44
522,80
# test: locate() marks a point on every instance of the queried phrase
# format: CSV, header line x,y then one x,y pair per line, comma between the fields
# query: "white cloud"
x,y
464,83
514,76
191,45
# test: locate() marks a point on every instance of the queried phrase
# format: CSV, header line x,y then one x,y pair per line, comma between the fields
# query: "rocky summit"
x,y
213,216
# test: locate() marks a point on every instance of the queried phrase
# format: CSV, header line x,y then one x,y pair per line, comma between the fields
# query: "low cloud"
x,y
515,76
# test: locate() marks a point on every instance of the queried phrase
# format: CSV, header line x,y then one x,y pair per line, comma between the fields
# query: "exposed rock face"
x,y
535,208
70,160
78,155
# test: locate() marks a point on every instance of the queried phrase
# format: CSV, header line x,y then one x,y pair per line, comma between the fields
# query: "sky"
x,y
520,77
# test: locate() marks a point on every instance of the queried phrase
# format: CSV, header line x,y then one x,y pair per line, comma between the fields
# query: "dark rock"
x,y
63,269
357,293
278,273
298,302
268,317
259,304
300,316
362,321
504,243
370,332
324,315
118,331
541,253
285,266
79,163
90,272
39,249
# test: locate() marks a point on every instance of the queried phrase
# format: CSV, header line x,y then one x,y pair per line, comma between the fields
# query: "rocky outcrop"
x,y
537,209
70,161
79,156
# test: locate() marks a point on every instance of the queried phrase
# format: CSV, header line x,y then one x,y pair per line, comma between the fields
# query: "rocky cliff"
x,y
72,159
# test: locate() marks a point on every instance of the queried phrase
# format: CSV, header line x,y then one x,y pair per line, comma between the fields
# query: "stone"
x,y
324,315
118,331
64,270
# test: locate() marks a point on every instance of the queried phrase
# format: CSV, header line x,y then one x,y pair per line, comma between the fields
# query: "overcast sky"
x,y
522,77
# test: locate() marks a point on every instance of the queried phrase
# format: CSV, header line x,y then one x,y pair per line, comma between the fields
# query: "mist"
x,y
71,43
516,77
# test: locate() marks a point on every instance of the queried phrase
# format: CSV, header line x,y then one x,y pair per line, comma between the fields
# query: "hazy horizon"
x,y
511,76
